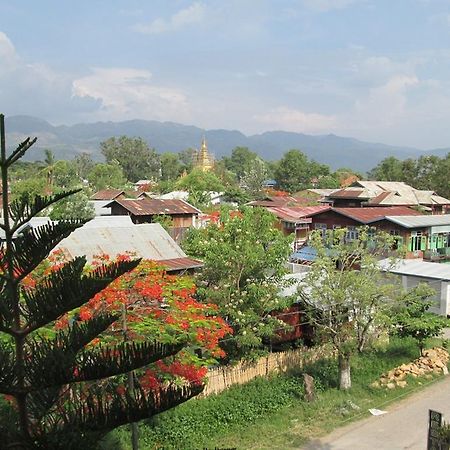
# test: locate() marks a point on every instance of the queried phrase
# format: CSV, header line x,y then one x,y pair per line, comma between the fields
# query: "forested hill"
x,y
67,141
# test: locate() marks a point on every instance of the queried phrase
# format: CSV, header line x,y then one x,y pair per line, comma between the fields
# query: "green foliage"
x,y
253,178
295,172
415,321
134,155
244,257
76,206
60,393
241,161
164,220
171,167
106,176
188,425
426,172
199,184
346,296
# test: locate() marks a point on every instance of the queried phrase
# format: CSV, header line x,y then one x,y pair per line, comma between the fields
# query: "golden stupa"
x,y
203,160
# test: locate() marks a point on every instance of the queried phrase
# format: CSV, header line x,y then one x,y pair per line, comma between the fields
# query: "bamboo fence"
x,y
221,378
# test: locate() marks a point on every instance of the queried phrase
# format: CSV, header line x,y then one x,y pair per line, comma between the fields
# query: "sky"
x,y
376,70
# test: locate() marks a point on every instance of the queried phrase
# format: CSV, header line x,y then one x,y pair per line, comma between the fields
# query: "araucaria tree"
x,y
347,297
50,377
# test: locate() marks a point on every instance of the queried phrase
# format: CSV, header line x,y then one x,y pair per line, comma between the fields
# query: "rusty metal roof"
x,y
297,213
181,263
349,193
151,206
369,215
107,194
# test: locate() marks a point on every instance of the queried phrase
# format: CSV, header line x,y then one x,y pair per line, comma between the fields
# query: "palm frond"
x,y
67,289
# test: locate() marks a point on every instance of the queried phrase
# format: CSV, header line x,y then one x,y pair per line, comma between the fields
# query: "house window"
x,y
418,241
322,227
352,233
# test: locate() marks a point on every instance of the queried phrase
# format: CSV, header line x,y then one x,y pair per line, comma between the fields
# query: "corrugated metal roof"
x,y
296,213
369,215
181,263
349,193
420,221
417,268
107,194
151,206
148,241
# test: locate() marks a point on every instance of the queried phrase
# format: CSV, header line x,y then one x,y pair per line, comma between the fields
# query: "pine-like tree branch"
x,y
103,410
25,208
20,150
52,365
33,246
67,289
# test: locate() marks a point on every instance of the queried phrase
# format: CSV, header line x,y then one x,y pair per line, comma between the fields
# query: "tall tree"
x,y
294,172
244,257
105,176
241,161
83,165
137,159
171,167
346,295
49,375
390,169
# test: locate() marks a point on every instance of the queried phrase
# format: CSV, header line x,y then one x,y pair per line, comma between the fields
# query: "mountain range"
x,y
68,141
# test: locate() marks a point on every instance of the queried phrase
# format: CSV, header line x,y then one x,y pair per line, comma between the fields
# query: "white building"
x,y
415,271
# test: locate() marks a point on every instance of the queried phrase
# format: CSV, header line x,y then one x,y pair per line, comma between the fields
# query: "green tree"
x,y
171,167
244,259
390,169
294,172
106,176
241,161
83,164
253,178
51,375
199,184
414,320
136,158
76,206
347,297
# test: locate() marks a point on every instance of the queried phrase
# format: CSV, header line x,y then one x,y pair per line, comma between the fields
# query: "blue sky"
x,y
377,70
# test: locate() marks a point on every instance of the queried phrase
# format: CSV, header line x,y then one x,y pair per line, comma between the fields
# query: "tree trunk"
x,y
345,381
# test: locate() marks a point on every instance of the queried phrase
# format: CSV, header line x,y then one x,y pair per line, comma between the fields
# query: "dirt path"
x,y
403,427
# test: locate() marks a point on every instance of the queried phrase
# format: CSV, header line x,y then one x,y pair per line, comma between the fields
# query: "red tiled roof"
x,y
295,213
369,215
107,194
181,264
277,201
152,206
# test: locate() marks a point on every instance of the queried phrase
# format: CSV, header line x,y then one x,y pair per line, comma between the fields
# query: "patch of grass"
x,y
272,413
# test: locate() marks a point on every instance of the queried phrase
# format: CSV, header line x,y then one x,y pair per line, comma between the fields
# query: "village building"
x,y
385,194
146,210
100,199
415,271
117,235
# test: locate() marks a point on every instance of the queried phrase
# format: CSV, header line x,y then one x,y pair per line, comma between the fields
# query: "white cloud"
x,y
385,104
288,119
328,5
129,93
8,56
188,16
